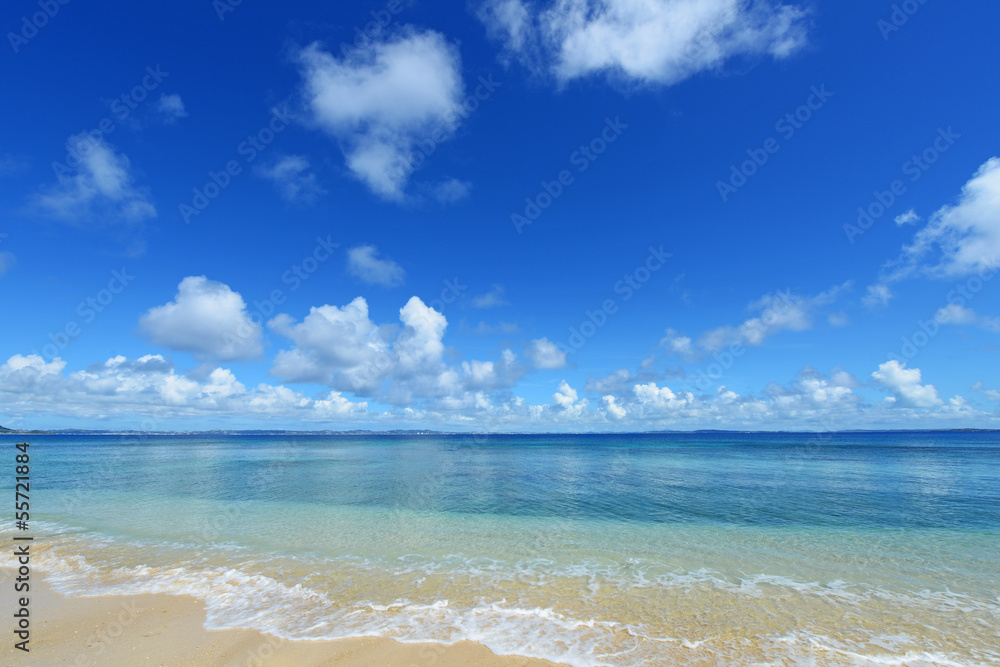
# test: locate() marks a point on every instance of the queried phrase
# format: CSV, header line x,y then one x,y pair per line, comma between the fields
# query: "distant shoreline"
x,y
418,432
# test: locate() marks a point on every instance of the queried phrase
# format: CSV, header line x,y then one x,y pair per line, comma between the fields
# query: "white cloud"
x,y
960,315
904,383
292,177
968,233
908,218
877,296
651,41
826,402
508,21
662,399
363,263
677,344
612,408
468,398
991,394
775,313
451,191
332,342
958,239
419,346
343,348
490,299
151,386
205,318
382,100
7,261
567,401
100,185
813,393
622,380
545,354
170,108
492,375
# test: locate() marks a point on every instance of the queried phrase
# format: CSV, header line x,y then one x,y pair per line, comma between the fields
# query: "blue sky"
x,y
500,215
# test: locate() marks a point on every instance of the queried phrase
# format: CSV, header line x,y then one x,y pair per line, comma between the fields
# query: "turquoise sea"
x,y
705,548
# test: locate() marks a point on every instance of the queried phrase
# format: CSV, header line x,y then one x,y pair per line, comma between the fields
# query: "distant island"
x,y
414,432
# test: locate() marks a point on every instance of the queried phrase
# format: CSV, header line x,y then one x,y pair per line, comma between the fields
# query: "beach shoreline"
x,y
164,629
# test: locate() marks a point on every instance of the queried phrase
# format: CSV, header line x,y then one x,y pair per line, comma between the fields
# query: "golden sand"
x,y
168,630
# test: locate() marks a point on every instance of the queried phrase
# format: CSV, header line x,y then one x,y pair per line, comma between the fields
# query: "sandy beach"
x,y
169,630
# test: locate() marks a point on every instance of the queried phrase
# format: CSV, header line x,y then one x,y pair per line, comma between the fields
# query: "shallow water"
x,y
874,548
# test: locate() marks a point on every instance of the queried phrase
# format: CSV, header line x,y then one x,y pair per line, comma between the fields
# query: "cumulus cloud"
x,y
622,380
150,385
612,408
813,392
490,299
662,399
364,264
958,239
812,398
649,41
343,348
292,177
419,346
206,318
100,185
380,100
332,341
545,354
904,384
567,401
472,396
170,108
